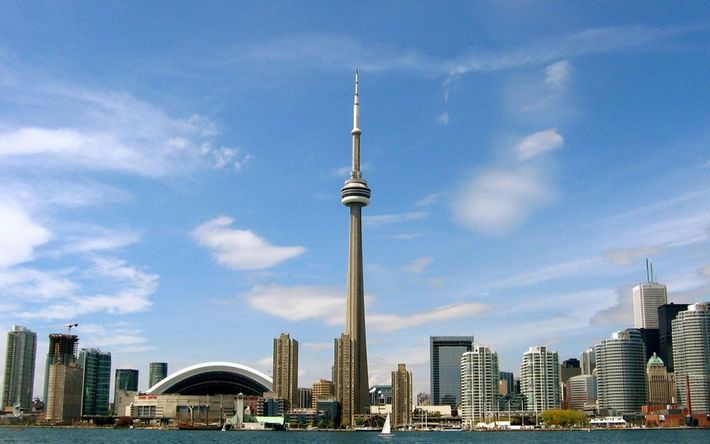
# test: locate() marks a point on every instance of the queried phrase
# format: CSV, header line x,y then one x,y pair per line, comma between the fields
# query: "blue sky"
x,y
170,174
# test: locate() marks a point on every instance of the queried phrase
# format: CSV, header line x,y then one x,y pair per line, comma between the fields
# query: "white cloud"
x,y
82,238
557,74
298,303
418,265
627,256
118,337
538,143
28,285
443,118
426,201
383,219
241,249
498,201
109,131
389,322
19,235
131,291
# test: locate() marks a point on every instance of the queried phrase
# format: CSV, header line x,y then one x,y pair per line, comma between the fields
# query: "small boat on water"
x,y
387,428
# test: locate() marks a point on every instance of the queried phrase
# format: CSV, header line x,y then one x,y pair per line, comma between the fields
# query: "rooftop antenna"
x,y
648,273
653,279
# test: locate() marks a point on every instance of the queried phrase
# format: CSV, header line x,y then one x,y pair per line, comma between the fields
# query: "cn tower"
x,y
352,385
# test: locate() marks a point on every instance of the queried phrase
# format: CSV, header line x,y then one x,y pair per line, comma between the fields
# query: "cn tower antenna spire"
x,y
355,174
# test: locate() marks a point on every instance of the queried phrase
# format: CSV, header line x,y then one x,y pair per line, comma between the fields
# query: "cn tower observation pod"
x,y
214,378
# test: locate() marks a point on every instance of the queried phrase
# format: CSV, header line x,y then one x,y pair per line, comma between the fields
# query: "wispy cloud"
x,y
627,256
391,322
241,249
418,265
132,290
498,201
538,143
557,74
384,219
298,303
443,118
119,337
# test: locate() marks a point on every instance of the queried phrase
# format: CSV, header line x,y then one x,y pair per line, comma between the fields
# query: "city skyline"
x,y
527,159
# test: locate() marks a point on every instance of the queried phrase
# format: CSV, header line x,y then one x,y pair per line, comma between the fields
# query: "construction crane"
x,y
67,326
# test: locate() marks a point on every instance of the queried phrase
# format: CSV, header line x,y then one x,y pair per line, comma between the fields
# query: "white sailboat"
x,y
386,429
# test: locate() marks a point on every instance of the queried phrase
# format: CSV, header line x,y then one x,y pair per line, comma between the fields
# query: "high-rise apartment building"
x,y
540,379
479,385
96,381
647,297
352,383
621,373
126,381
19,368
63,383
691,356
587,361
323,390
661,385
445,354
666,314
157,372
285,369
62,350
401,396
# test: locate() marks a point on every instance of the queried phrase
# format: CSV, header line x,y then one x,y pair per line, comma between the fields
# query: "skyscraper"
x,y
621,373
96,381
157,372
540,379
445,353
587,361
647,297
401,396
666,314
479,385
19,368
352,384
285,369
62,350
691,356
63,383
126,380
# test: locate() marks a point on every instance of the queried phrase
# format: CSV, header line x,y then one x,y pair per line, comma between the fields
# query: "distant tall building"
x,y
506,386
323,390
285,369
352,383
647,297
305,395
582,391
62,350
621,375
479,385
666,314
19,368
96,381
157,372
126,380
651,343
661,384
63,383
401,396
691,356
569,368
587,361
540,379
445,353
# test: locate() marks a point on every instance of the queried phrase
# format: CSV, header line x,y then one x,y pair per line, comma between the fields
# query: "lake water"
x,y
82,436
